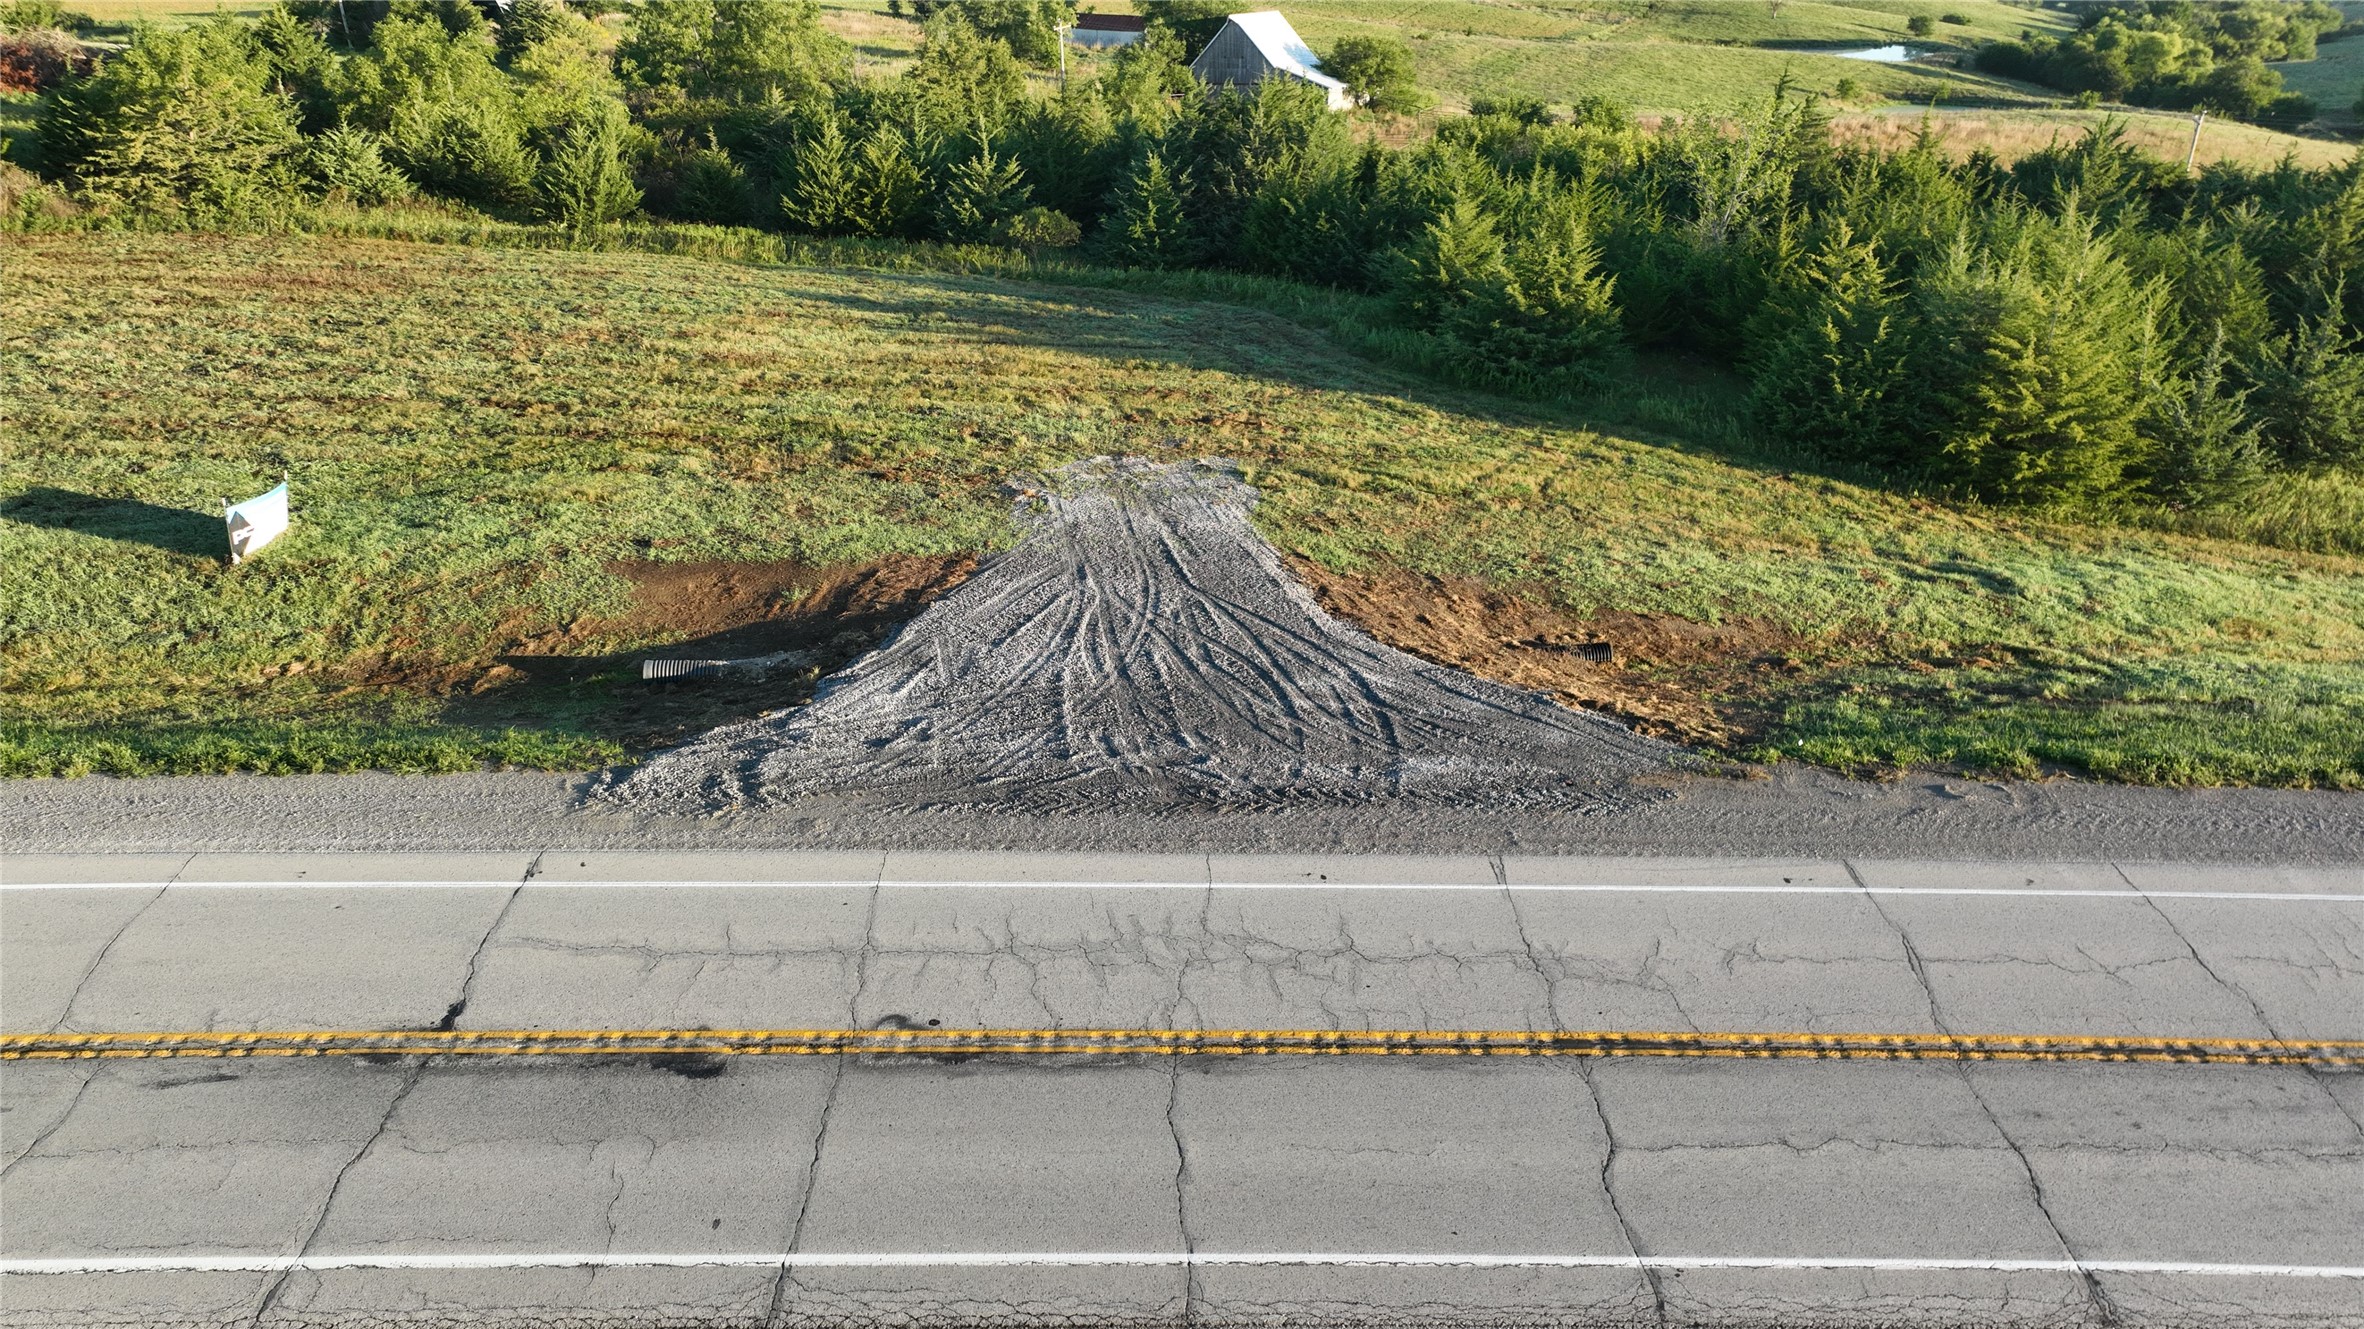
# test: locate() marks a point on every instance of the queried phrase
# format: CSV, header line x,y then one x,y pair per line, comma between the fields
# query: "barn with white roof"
x,y
1254,47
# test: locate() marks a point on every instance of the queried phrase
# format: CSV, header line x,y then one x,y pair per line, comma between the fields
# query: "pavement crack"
x,y
52,1128
1182,1190
74,996
2104,1310
1534,956
1633,1241
2256,1007
812,1169
459,1006
410,1080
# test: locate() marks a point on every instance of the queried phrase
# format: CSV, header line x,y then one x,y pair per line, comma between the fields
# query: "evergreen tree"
x,y
1833,372
450,117
303,69
2206,446
979,192
731,50
710,187
821,189
1457,261
2310,393
1557,315
1147,225
349,159
2059,358
967,83
180,122
586,181
889,189
526,22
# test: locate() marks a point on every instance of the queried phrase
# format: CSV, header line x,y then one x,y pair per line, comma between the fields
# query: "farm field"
x,y
2013,134
1714,55
1673,56
517,470
2334,78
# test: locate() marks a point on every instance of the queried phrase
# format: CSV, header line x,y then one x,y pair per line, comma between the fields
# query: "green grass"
x,y
1674,76
477,433
2334,78
20,117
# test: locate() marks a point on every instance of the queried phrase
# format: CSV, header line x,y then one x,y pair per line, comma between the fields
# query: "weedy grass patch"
x,y
485,442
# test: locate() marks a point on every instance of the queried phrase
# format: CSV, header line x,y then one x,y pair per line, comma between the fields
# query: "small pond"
x,y
1885,55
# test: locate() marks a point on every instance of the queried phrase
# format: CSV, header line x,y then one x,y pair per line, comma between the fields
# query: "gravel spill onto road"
x,y
1143,647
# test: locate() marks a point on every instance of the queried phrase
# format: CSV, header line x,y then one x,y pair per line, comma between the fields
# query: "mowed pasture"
x,y
502,457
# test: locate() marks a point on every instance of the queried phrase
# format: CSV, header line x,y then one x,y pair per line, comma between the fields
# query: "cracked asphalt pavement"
x,y
827,1190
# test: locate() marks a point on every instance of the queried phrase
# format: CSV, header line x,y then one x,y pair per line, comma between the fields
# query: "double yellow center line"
x,y
917,1042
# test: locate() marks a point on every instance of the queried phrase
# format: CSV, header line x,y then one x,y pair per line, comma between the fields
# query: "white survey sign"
x,y
256,522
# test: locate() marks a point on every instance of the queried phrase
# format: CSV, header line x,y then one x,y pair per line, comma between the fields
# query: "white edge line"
x,y
1121,1259
549,884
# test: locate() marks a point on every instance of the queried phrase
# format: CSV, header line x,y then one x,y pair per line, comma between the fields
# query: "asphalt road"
x,y
1086,1189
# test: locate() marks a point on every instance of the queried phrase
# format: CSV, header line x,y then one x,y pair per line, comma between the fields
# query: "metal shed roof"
x,y
1281,47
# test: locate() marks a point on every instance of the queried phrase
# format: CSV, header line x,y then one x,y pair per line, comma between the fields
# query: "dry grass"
x,y
2011,135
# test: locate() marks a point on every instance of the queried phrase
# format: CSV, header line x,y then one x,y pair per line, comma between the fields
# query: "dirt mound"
x,y
1143,647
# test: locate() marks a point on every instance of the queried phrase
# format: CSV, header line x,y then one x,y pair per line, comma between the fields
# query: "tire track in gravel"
x,y
1143,647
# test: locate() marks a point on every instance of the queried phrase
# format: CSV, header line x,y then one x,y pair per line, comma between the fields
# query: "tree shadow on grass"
x,y
1663,399
174,530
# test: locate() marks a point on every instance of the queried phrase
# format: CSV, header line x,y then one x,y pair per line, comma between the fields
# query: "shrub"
x,y
29,203
731,50
1958,20
710,187
1529,111
1846,90
32,15
1920,25
350,160
180,122
1378,71
1038,229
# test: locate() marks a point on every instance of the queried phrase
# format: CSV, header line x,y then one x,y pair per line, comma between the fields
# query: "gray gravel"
x,y
1143,647
1797,811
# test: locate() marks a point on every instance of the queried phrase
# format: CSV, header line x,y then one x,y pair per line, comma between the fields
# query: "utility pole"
x,y
2192,154
1062,30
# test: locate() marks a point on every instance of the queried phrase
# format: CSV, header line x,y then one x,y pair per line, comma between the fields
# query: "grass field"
x,y
514,469
2012,134
2334,78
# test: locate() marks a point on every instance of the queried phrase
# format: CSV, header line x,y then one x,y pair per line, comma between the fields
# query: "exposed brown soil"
x,y
714,610
1667,676
757,608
